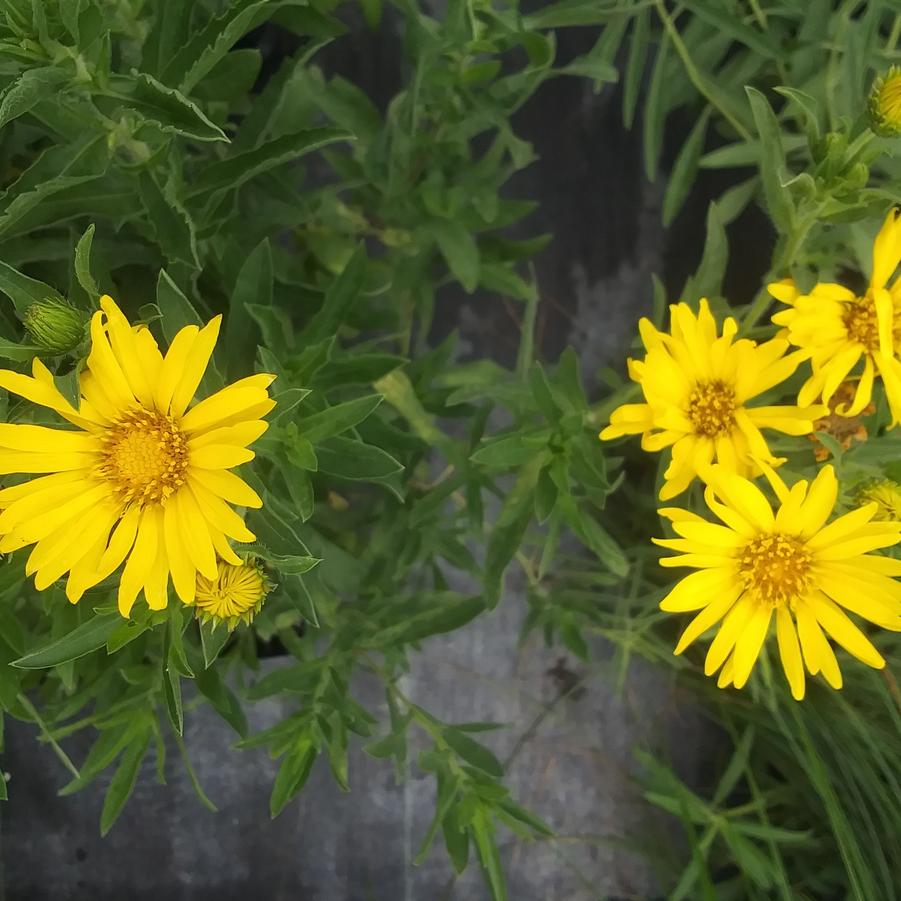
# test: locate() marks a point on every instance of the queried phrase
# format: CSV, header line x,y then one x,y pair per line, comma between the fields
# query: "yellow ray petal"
x,y
843,631
195,366
747,647
184,575
228,486
708,617
790,652
140,560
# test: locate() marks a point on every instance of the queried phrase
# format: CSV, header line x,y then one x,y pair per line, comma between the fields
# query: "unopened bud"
x,y
55,325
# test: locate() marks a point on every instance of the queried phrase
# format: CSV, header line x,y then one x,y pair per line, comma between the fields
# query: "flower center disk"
x,y
145,456
711,408
775,568
862,323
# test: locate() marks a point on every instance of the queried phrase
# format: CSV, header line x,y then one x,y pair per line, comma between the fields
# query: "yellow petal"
x,y
697,590
218,456
195,366
140,560
121,542
708,617
228,486
184,575
239,435
124,343
724,642
194,533
218,514
844,632
219,409
790,652
747,647
173,366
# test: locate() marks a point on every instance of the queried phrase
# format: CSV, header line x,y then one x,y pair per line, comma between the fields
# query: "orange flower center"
x,y
711,408
145,456
775,568
862,323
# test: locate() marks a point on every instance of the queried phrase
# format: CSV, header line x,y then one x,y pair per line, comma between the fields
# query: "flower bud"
x,y
886,494
55,326
884,104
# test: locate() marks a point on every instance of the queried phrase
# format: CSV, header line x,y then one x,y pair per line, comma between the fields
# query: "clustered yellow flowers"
x,y
143,479
793,561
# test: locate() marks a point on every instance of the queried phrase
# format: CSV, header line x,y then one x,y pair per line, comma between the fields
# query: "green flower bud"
x,y
55,325
857,176
884,104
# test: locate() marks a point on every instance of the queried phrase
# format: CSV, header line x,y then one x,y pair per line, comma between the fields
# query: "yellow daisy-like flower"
x,y
143,479
884,103
838,328
697,387
235,595
788,563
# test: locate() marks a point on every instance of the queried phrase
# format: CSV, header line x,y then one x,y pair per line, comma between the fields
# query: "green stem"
x,y
45,731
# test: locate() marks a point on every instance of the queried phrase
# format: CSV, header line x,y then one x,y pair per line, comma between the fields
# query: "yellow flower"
x,y
838,328
884,105
143,479
886,495
786,562
234,595
697,386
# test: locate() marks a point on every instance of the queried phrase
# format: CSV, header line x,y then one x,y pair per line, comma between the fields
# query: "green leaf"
x,y
507,532
638,54
342,294
212,641
685,169
594,536
174,229
253,286
172,693
292,775
340,418
772,161
449,612
459,249
232,77
350,459
234,171
123,782
512,450
473,752
708,280
29,89
177,310
83,263
24,291
167,108
291,564
725,20
21,353
482,829
456,841
80,641
223,700
655,111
